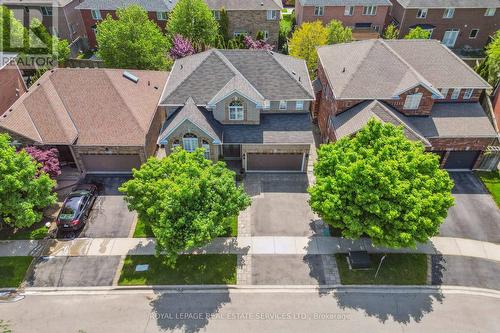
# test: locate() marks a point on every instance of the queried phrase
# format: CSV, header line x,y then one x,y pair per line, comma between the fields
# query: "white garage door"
x,y
275,162
110,163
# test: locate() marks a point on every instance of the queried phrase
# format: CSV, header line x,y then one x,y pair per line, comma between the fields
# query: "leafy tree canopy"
x,y
24,192
194,20
304,42
489,69
337,33
391,32
185,198
418,33
379,183
133,41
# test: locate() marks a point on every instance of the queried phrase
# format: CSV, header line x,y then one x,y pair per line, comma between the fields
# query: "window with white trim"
x,y
370,10
206,146
431,30
349,10
468,93
190,142
282,105
448,13
422,13
444,92
236,111
473,33
240,33
176,144
161,16
266,34
450,37
216,14
412,101
455,93
319,10
299,105
46,11
490,12
96,14
272,15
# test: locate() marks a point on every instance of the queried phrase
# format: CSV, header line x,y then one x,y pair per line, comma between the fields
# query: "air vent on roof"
x,y
343,70
130,76
262,3
293,72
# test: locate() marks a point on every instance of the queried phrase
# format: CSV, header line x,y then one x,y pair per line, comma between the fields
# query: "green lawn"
x,y
492,182
143,231
12,270
398,269
37,231
189,269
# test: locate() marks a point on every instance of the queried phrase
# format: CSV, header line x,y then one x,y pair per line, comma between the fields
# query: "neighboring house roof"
x,y
245,4
353,120
148,5
87,107
345,2
12,84
206,75
58,3
383,69
273,128
198,117
6,58
449,3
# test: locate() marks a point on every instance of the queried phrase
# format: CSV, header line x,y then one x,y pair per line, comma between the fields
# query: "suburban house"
x,y
360,15
93,11
458,24
418,84
101,120
249,17
246,106
12,85
59,17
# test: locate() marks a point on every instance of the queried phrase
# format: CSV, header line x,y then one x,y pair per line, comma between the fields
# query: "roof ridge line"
x,y
295,80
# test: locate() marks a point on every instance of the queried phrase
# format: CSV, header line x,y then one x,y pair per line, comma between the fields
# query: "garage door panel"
x,y
110,163
274,162
461,159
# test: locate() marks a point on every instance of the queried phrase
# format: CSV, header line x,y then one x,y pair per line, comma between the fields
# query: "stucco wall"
x,y
221,111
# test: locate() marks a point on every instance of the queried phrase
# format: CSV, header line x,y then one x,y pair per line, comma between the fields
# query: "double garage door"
x,y
110,163
287,162
461,160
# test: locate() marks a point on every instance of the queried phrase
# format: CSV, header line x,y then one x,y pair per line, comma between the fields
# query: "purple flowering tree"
x,y
48,158
181,48
250,43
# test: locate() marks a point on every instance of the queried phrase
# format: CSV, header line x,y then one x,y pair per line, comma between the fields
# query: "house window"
x,y
349,10
369,10
266,34
267,105
216,14
450,37
412,101
236,111
96,14
444,92
161,16
448,13
319,10
206,149
473,33
46,11
190,142
72,28
240,33
299,105
272,15
282,105
175,144
422,13
490,12
455,93
468,93
431,30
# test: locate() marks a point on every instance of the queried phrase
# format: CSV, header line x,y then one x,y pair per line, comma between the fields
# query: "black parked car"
x,y
76,207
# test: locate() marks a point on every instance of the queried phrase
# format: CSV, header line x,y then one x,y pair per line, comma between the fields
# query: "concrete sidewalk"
x,y
244,245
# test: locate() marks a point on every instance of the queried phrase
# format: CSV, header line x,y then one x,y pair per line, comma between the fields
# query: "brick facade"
x,y
464,19
253,21
11,86
425,107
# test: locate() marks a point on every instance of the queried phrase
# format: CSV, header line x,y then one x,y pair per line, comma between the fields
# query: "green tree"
x,y
194,20
133,41
391,32
379,183
24,193
224,24
12,31
304,42
337,33
58,47
185,198
489,68
418,33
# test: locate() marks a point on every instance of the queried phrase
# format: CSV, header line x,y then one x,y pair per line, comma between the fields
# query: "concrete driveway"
x,y
475,215
73,271
280,207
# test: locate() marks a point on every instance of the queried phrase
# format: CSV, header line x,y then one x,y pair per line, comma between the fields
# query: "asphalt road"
x,y
251,311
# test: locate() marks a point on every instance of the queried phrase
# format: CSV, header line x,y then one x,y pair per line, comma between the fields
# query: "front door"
x,y
231,152
450,37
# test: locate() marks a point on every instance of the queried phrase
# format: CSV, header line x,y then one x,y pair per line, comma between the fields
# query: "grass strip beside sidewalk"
x,y
13,270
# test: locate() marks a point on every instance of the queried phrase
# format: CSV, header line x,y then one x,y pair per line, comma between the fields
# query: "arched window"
x,y
190,142
206,146
236,110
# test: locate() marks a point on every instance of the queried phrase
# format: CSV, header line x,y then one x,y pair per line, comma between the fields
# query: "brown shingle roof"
x,y
91,106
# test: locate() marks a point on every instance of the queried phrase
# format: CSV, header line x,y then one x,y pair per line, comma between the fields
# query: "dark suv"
x,y
76,208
